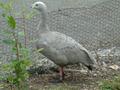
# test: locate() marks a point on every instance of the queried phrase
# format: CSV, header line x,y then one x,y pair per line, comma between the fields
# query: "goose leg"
x,y
61,71
60,78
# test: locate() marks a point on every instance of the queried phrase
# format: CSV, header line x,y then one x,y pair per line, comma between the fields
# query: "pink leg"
x,y
61,71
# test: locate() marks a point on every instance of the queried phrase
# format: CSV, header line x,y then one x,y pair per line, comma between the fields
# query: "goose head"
x,y
39,6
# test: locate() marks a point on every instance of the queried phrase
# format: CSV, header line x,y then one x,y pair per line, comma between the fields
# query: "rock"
x,y
114,67
42,66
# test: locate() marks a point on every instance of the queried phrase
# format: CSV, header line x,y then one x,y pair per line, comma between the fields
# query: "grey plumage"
x,y
63,50
58,47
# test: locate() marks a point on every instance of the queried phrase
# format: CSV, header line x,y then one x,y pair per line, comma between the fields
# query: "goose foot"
x,y
60,78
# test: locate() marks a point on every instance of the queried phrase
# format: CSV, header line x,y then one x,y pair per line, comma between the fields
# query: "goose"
x,y
58,47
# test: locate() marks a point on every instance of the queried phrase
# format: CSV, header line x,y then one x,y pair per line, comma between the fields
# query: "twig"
x,y
16,45
73,70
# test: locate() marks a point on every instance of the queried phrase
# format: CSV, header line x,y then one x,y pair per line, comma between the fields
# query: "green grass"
x,y
113,84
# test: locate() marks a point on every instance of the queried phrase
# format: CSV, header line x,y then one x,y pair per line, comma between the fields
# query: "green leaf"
x,y
1,86
6,32
1,5
10,78
34,40
9,42
24,52
30,15
14,49
1,78
3,15
14,62
21,33
6,67
11,22
39,50
27,62
6,6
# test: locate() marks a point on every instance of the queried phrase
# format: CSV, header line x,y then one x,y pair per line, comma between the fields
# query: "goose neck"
x,y
44,18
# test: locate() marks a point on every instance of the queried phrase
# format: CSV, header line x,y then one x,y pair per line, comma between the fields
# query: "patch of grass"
x,y
113,84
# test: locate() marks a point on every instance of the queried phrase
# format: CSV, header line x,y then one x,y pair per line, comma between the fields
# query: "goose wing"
x,y
64,50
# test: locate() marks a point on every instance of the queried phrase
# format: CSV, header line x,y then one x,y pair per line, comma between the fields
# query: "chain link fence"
x,y
96,28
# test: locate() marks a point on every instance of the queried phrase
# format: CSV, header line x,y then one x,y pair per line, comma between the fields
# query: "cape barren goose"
x,y
58,47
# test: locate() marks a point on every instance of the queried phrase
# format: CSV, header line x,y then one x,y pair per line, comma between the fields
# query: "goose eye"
x,y
36,4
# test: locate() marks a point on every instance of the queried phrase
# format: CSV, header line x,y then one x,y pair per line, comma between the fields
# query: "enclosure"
x,y
93,23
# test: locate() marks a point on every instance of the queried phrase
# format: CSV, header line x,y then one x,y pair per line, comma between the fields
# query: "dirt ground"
x,y
75,79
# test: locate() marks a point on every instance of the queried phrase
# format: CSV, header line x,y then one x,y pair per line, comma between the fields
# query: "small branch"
x,y
16,45
73,70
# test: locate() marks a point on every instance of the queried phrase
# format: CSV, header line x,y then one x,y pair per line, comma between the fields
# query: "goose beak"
x,y
32,6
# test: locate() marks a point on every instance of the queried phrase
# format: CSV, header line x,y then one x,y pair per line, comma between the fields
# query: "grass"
x,y
113,84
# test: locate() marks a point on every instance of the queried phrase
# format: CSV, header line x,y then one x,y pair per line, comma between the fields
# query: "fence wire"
x,y
97,27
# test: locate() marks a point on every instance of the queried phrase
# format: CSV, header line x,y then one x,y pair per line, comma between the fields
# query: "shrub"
x,y
16,69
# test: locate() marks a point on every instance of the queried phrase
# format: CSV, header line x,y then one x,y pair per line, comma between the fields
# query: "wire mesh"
x,y
95,27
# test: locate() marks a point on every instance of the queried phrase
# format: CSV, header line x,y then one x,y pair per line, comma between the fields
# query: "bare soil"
x,y
74,79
